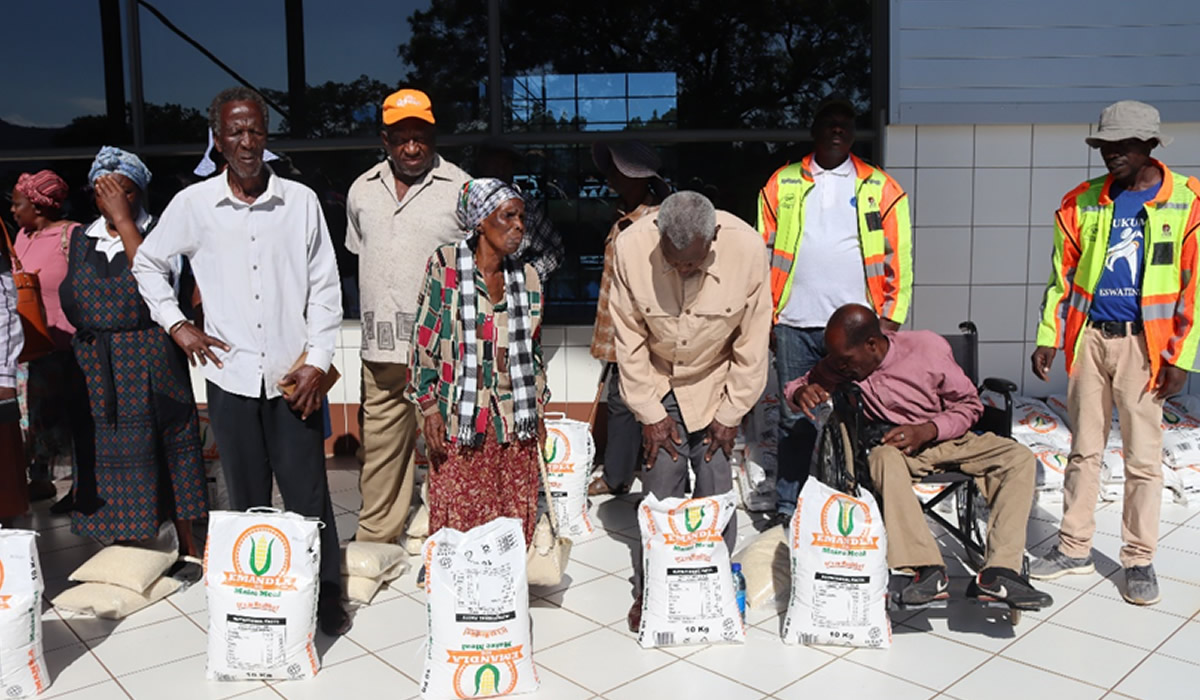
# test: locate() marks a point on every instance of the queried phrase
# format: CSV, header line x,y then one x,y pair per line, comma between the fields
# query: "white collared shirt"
x,y
267,274
828,270
109,244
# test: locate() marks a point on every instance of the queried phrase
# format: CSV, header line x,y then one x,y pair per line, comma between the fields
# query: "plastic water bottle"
x,y
739,589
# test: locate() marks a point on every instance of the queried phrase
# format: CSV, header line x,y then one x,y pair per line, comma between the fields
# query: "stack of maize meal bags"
x,y
368,566
122,579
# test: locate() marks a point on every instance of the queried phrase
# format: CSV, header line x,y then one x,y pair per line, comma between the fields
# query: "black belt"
x,y
1117,329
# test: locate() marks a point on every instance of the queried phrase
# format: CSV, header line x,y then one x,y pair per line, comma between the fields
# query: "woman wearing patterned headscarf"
x,y
477,368
148,466
50,385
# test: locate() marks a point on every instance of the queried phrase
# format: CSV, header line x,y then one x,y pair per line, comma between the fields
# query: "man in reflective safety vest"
x,y
839,233
1121,304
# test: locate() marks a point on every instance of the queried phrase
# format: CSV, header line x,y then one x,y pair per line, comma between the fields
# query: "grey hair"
x,y
686,217
235,94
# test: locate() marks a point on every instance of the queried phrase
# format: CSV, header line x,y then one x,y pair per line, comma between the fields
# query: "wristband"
x,y
176,327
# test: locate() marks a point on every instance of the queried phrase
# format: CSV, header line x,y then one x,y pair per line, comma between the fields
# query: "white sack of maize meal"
x,y
22,668
477,599
261,575
688,593
569,451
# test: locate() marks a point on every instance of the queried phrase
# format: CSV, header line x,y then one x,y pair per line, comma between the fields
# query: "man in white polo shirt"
x,y
398,213
261,254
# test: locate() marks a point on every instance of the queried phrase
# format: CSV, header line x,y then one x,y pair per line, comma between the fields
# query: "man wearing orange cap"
x,y
398,213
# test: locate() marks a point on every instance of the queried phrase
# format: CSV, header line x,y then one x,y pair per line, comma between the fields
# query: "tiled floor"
x,y
1089,645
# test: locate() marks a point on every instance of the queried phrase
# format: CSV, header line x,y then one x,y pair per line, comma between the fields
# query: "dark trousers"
x,y
623,447
261,438
797,350
669,477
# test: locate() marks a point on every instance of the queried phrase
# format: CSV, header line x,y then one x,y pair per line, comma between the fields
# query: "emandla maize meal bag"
x,y
22,668
477,600
688,595
261,574
569,451
839,570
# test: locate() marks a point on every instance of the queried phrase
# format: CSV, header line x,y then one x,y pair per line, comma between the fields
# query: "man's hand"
x,y
111,201
197,345
888,325
719,437
809,397
660,436
435,438
306,396
1041,359
909,439
1169,382
7,392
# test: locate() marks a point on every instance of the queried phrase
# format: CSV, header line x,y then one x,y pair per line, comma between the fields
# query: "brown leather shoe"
x,y
600,487
634,618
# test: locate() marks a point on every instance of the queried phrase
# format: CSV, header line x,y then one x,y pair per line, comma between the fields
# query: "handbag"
x,y
548,552
30,307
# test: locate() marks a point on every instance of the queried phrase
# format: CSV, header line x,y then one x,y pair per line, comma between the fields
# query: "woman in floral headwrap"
x,y
148,466
477,368
52,385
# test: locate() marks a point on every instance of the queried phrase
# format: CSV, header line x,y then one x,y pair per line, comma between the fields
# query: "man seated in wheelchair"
x,y
910,379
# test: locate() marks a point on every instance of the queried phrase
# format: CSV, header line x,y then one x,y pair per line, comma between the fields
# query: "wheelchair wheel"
x,y
835,456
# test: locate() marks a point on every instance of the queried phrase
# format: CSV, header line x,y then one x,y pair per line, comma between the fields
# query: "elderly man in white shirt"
x,y
263,260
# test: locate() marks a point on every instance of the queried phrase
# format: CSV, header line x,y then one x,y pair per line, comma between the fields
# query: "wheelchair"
x,y
848,435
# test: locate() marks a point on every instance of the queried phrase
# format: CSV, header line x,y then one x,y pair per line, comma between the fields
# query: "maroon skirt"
x,y
14,491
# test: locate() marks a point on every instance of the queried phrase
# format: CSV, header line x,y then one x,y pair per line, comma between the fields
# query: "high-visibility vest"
x,y
884,232
1081,234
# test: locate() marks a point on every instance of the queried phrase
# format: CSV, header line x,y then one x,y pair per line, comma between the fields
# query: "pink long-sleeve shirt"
x,y
917,382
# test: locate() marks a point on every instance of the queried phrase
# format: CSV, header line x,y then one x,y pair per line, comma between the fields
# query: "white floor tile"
x,y
1177,564
1183,538
60,564
910,654
613,554
1184,644
146,647
56,634
553,625
844,679
349,499
109,690
347,525
363,677
977,627
1142,627
602,660
764,662
615,515
407,658
154,683
1075,654
1162,678
1001,678
555,687
683,679
336,650
577,573
54,539
89,628
71,668
605,600
388,624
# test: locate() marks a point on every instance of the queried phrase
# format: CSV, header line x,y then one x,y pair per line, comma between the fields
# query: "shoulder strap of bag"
x,y
12,253
546,490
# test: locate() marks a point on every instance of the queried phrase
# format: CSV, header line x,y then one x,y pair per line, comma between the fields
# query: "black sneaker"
x,y
1008,586
929,584
331,614
778,520
1141,585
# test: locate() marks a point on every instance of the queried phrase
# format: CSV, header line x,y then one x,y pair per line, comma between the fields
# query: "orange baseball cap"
x,y
403,104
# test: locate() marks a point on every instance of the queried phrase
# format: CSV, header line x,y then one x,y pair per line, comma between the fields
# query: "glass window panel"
x,y
651,84
601,85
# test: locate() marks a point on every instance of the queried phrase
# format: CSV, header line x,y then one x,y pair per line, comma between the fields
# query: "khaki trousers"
x,y
389,434
1006,472
1112,371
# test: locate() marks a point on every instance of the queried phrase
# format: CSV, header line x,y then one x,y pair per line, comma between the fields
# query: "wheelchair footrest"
x,y
895,605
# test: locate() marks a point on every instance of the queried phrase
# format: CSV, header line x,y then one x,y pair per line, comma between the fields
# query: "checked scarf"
x,y
520,350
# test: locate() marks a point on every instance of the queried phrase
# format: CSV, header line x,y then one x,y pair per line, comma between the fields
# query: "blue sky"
x,y
56,72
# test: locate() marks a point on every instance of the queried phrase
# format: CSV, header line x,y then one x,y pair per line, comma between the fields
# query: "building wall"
x,y
983,200
1032,61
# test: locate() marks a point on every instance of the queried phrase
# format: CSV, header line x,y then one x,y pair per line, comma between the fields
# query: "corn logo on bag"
x,y
477,599
839,570
22,668
688,595
261,574
569,451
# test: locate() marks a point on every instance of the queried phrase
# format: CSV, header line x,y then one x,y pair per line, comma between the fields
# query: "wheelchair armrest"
x,y
999,385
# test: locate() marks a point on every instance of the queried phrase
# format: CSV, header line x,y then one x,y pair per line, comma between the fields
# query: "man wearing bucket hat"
x,y
1120,303
631,169
397,214
839,233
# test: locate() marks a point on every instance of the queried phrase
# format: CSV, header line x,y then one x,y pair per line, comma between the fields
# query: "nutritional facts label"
x,y
255,642
840,601
693,594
